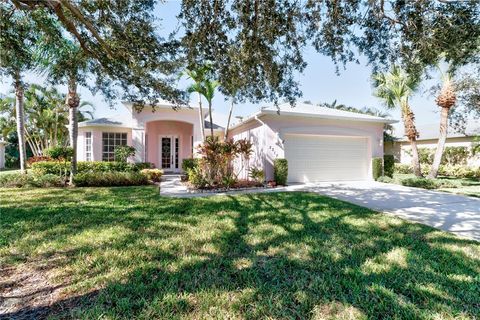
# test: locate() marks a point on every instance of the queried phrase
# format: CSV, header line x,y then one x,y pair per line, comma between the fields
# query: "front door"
x,y
169,146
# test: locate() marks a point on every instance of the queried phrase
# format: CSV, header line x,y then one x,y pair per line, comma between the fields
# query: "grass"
x,y
468,187
125,253
5,171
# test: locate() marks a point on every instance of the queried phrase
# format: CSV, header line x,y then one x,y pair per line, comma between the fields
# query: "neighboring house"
x,y
2,153
428,138
320,144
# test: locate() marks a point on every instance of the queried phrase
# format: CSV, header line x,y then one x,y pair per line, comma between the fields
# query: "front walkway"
x,y
450,212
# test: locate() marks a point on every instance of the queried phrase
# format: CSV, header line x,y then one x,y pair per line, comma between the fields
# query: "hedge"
x,y
280,171
456,171
58,167
388,165
110,179
18,180
377,168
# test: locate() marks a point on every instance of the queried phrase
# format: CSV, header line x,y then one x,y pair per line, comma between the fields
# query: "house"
x,y
161,135
428,138
320,144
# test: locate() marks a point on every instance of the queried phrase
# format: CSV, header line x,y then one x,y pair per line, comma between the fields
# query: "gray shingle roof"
x,y
323,112
215,126
431,131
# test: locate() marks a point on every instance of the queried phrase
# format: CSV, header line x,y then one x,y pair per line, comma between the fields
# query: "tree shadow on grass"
x,y
288,255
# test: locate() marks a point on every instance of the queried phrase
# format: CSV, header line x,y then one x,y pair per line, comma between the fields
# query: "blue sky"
x,y
318,82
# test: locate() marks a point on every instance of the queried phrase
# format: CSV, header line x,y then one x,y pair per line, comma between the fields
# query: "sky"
x,y
319,83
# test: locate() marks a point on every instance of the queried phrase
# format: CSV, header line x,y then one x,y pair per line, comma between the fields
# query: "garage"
x,y
314,158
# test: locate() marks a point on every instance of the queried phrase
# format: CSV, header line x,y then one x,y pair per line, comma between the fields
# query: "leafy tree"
x,y
119,38
261,43
395,88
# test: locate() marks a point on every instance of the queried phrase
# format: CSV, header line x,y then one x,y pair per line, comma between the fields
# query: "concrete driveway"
x,y
454,213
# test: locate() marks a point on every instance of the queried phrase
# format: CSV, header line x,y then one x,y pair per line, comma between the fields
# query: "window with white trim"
x,y
88,146
109,141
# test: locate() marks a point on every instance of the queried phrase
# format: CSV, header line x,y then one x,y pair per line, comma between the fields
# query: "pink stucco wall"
x,y
97,140
269,136
156,129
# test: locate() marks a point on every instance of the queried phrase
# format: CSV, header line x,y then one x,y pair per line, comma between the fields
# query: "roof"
x,y
215,126
431,131
106,122
120,122
309,110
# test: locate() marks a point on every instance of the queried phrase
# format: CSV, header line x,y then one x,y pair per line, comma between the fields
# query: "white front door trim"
x,y
168,154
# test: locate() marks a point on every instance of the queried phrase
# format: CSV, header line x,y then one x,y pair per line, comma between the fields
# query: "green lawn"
x,y
4,171
124,253
468,187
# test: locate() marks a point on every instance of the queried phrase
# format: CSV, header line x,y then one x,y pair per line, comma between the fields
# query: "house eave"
x,y
309,115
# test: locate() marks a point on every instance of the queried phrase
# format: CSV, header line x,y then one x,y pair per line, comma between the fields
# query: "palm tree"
x,y
210,86
19,110
395,88
229,118
445,100
45,115
198,76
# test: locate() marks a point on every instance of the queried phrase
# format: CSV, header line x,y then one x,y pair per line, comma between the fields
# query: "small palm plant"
x,y
395,89
446,101
198,77
210,87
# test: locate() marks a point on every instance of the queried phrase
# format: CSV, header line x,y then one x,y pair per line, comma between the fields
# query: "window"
x,y
88,146
109,141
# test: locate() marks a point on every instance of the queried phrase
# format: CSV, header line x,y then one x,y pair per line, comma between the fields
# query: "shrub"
x,y
189,163
122,153
420,183
196,178
152,174
14,180
455,156
47,180
280,171
388,165
229,181
18,180
34,159
59,153
385,179
403,168
377,168
109,179
257,175
55,167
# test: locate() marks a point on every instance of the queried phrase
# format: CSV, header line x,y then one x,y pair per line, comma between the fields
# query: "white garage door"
x,y
326,158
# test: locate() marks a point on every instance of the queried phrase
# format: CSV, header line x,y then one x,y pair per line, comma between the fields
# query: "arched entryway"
x,y
168,143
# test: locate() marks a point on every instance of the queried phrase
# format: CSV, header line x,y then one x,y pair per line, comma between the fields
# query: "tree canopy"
x,y
256,47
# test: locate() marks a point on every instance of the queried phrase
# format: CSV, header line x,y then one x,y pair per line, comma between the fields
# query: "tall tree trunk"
x,y
73,102
211,119
441,143
229,118
19,109
412,135
200,115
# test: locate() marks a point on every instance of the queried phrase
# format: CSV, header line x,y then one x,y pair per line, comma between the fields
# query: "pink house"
x,y
320,144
